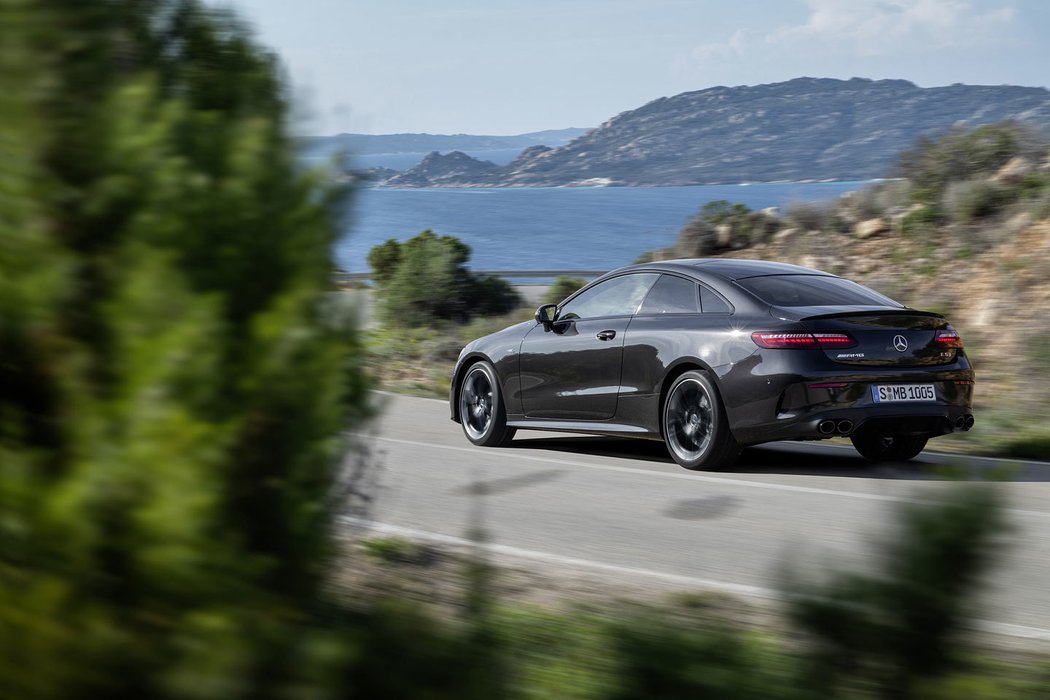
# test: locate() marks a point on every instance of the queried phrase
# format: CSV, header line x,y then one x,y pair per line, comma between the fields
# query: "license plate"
x,y
889,393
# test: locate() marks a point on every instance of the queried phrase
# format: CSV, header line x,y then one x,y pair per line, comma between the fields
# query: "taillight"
x,y
778,340
948,339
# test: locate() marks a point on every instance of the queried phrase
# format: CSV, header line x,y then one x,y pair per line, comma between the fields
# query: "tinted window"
x,y
619,296
812,290
671,295
711,303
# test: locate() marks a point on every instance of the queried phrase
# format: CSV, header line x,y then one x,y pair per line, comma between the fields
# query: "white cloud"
x,y
873,27
735,46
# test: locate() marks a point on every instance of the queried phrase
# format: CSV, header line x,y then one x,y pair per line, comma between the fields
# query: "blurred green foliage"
x,y
394,549
920,222
719,211
809,216
739,226
562,289
173,385
964,154
425,279
903,624
968,201
419,359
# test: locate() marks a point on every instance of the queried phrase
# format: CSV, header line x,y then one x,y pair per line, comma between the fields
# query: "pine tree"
x,y
173,387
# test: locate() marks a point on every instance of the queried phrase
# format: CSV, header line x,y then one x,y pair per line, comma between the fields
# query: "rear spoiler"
x,y
812,313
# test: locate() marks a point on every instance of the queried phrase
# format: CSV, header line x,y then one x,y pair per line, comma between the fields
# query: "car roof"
x,y
727,268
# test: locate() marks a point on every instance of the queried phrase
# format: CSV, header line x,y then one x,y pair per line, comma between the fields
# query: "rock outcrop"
x,y
436,170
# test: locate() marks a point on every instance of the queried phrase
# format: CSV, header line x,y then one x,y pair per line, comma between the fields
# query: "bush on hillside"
x,y
962,154
920,223
720,211
876,200
722,225
562,289
696,239
968,201
425,278
809,216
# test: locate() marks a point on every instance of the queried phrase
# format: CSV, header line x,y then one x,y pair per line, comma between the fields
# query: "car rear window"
x,y
671,295
813,290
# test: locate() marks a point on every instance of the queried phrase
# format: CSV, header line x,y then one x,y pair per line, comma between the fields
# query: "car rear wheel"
x,y
695,426
888,448
481,410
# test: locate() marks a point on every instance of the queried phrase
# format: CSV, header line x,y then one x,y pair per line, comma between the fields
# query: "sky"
x,y
515,66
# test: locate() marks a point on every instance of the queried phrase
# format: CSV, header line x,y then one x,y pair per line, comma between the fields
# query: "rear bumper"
x,y
785,395
927,420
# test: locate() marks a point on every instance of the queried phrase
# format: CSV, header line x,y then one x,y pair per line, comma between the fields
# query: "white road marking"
x,y
519,553
998,628
691,477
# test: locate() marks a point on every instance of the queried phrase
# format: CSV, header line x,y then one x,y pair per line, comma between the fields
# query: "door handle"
x,y
606,335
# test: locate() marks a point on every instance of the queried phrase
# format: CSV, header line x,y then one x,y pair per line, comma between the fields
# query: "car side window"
x,y
619,296
671,295
711,303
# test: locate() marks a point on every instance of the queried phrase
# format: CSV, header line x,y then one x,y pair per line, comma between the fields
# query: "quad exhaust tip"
x,y
830,427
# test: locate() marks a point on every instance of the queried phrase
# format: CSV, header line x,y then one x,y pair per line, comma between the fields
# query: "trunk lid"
x,y
887,337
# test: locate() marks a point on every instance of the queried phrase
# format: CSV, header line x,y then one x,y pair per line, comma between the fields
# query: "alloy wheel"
x,y
475,403
689,420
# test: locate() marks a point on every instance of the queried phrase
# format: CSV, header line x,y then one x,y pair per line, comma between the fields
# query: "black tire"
x,y
876,447
695,426
481,410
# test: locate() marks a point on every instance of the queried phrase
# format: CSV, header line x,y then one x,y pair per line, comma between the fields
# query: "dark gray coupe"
x,y
713,355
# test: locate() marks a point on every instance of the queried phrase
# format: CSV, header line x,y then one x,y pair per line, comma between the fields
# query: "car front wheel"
x,y
695,426
481,410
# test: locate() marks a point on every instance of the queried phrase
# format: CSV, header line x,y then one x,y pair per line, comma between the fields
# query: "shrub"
x,y
491,296
174,387
720,211
902,625
919,222
971,200
696,239
384,260
425,279
959,154
562,288
1039,206
809,216
876,200
662,658
699,237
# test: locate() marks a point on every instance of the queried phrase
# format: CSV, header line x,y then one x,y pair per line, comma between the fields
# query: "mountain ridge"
x,y
836,130
384,144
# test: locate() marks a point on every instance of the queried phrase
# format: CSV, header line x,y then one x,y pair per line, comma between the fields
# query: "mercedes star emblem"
x,y
900,342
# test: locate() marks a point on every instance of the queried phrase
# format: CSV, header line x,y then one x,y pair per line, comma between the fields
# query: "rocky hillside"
x,y
436,170
975,248
802,129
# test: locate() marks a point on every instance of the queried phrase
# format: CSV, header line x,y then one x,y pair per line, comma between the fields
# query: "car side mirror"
x,y
546,315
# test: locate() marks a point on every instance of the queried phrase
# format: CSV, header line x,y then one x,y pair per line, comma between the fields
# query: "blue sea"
x,y
552,228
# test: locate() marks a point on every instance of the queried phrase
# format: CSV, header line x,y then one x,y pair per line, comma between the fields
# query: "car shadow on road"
x,y
802,459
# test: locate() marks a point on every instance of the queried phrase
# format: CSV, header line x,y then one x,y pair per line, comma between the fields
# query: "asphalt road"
x,y
623,509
